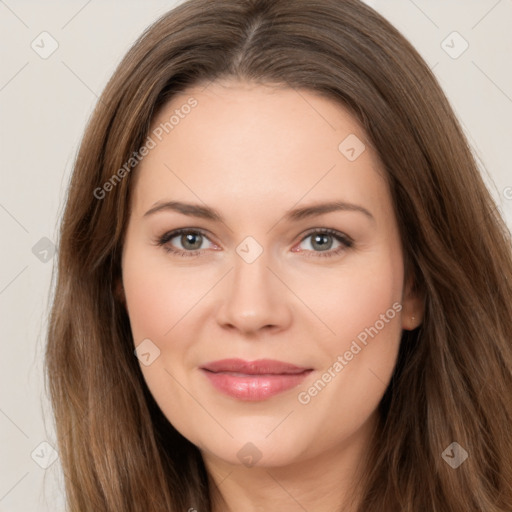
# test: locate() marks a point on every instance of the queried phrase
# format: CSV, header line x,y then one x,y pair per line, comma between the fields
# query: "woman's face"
x,y
263,271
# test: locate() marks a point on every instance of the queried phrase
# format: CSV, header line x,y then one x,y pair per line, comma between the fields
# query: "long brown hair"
x,y
453,377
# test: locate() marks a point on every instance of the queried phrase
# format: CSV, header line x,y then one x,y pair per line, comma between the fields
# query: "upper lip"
x,y
257,367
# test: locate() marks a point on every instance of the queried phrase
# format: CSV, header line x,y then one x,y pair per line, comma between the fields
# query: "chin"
x,y
256,450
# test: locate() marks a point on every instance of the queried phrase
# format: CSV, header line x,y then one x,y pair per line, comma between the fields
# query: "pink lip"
x,y
254,380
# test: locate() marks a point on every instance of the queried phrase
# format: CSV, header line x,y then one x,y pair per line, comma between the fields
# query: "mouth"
x,y
253,380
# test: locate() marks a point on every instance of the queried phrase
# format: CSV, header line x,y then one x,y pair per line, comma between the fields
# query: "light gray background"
x,y
45,104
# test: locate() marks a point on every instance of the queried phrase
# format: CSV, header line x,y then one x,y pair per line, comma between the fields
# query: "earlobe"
x,y
410,322
413,307
119,292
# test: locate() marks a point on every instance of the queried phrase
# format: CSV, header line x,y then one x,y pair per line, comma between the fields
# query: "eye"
x,y
323,241
191,241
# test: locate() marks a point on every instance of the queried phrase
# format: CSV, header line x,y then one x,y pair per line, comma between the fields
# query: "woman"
x,y
338,335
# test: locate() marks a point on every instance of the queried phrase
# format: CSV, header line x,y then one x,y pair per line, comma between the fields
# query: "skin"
x,y
253,152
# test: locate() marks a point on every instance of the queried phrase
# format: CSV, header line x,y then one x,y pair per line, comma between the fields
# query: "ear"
x,y
119,291
413,306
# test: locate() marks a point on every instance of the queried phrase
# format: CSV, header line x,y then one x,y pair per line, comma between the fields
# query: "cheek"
x,y
157,296
363,308
146,303
354,297
160,301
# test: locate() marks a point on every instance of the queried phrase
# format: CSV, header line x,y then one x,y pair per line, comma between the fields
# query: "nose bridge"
x,y
251,278
254,297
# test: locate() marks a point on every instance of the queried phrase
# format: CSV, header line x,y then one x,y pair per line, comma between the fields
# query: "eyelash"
x,y
346,242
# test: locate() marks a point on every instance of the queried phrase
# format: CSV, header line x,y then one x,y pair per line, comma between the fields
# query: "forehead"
x,y
240,141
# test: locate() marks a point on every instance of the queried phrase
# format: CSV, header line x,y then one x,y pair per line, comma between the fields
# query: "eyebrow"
x,y
208,213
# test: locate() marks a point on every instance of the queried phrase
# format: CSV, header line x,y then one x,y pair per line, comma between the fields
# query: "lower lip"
x,y
254,387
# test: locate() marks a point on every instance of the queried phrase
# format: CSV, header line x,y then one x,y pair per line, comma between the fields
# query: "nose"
x,y
254,298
